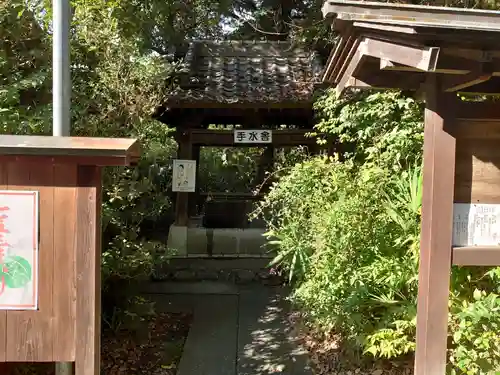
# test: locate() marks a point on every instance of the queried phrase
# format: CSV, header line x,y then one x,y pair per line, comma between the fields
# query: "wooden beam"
x,y
476,256
487,110
174,103
490,87
447,63
421,58
369,76
382,27
290,137
436,237
385,82
468,80
350,70
344,59
334,57
410,15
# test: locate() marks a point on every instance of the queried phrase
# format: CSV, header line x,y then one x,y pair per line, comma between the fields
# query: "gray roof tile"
x,y
247,71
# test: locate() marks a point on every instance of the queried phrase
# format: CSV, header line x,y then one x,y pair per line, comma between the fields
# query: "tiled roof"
x,y
247,72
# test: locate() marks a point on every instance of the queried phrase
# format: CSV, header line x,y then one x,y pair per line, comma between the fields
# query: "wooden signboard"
x,y
51,276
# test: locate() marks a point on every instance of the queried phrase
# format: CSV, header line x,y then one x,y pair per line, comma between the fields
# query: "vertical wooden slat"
x,y
29,333
64,308
436,237
195,197
88,263
182,203
3,314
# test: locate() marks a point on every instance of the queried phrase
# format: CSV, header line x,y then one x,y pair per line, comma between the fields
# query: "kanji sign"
x,y
18,250
253,136
476,224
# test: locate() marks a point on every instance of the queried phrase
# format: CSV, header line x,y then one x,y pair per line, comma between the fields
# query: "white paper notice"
x,y
18,250
476,224
184,176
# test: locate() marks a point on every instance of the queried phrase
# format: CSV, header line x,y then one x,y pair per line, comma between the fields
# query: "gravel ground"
x,y
156,351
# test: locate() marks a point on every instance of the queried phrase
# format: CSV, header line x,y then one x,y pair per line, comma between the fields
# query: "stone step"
x,y
232,270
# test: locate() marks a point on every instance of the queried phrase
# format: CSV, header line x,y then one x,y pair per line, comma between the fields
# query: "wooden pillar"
x,y
185,151
194,197
436,237
88,271
266,165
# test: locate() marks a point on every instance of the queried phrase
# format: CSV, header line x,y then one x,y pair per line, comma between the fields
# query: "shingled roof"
x,y
239,72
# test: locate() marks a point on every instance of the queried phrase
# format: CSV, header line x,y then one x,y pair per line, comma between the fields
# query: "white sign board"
x,y
18,250
184,176
253,136
476,224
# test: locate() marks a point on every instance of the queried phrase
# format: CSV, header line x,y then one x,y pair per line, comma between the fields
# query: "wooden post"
x,y
194,197
185,151
267,164
436,236
88,275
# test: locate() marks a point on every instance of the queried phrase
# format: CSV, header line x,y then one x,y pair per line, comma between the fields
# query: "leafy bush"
x,y
347,231
339,237
476,341
228,169
116,88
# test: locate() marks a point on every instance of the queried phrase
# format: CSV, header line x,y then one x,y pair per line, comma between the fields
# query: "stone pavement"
x,y
236,330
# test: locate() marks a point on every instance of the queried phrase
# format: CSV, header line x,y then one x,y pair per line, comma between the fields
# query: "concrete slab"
x,y
187,241
201,287
219,263
226,241
173,303
178,239
211,345
197,241
265,344
245,332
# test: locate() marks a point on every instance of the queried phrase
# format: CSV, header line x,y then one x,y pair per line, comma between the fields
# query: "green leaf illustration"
x,y
18,272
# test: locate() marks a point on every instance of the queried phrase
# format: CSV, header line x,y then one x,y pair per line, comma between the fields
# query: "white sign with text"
x,y
253,136
476,224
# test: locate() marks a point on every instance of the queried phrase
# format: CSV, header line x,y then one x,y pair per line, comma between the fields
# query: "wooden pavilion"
x,y
438,53
254,87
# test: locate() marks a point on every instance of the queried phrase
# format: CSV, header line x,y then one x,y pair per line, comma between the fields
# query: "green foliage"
x,y
353,263
347,231
476,342
383,129
117,86
24,72
228,169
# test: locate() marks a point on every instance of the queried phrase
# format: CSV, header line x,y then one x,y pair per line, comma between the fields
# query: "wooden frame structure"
x,y
435,52
250,84
66,173
190,141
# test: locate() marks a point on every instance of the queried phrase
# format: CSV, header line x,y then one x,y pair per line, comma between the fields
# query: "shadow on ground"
x,y
241,331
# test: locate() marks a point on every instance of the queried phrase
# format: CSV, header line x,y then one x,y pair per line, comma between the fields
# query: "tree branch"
x,y
255,27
